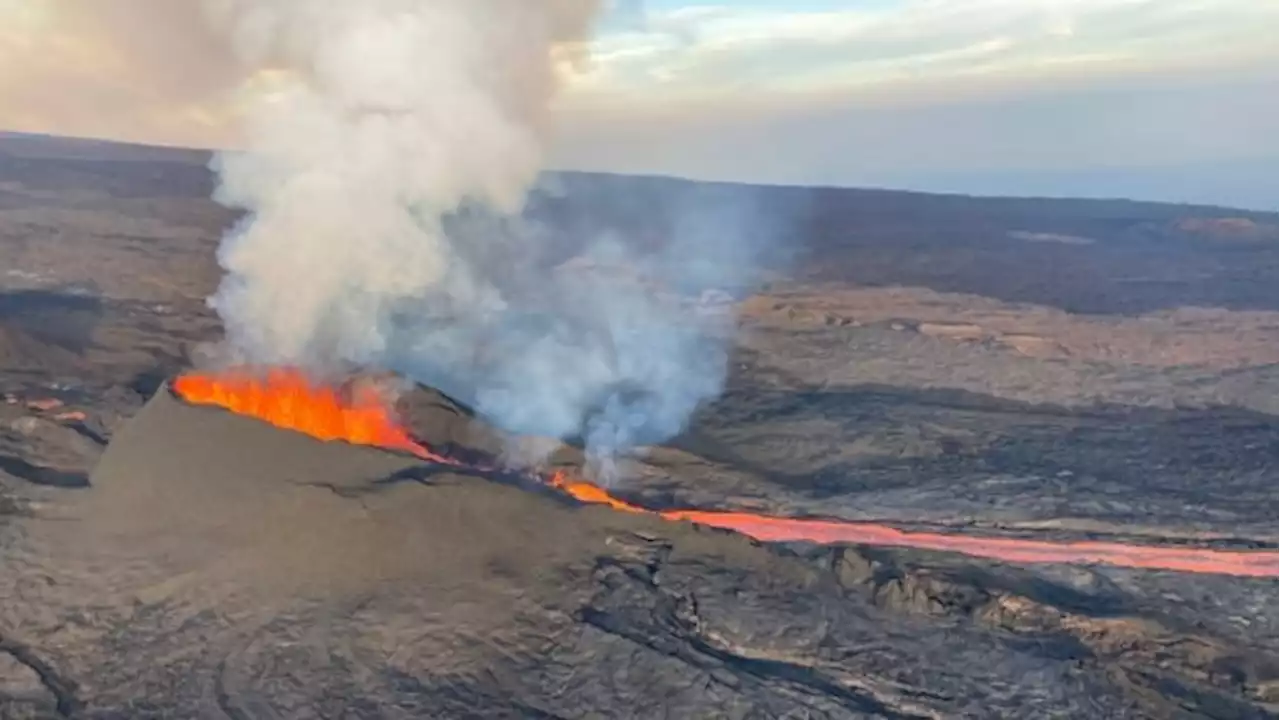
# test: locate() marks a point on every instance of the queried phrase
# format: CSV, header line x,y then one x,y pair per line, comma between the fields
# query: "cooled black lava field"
x,y
163,560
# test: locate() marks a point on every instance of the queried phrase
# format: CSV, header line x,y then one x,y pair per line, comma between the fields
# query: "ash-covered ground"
x,y
1041,368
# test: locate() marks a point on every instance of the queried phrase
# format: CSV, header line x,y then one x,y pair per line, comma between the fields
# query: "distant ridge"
x,y
35,145
938,199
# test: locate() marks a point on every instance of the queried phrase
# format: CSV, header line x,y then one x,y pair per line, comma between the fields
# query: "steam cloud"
x,y
385,175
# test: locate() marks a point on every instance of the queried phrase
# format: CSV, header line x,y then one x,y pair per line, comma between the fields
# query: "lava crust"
x,y
259,572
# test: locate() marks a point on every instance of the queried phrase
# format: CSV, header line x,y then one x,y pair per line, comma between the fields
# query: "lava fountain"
x,y
285,397
358,413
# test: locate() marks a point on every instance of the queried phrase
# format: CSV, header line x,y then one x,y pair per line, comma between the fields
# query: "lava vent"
x,y
209,486
170,441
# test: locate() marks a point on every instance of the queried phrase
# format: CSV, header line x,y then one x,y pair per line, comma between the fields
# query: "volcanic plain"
x,y
1062,370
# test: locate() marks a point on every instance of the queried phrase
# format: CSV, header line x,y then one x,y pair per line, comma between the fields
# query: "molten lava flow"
x,y
286,398
767,528
590,494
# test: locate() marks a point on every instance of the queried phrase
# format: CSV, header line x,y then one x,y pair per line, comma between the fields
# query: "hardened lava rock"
x,y
219,566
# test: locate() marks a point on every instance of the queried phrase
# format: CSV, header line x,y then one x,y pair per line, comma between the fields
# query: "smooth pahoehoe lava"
x,y
359,414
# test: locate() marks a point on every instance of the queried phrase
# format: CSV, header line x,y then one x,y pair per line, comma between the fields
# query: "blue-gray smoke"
x,y
612,338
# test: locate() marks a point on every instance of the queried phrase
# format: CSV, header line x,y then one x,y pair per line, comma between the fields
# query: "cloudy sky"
x,y
1155,99
1165,99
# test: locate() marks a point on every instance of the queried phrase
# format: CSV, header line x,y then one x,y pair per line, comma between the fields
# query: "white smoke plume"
x,y
386,115
385,173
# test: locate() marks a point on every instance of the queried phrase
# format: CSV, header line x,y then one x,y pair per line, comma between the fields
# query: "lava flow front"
x,y
361,415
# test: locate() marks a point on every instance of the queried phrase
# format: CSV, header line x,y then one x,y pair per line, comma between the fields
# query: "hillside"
x,y
1063,371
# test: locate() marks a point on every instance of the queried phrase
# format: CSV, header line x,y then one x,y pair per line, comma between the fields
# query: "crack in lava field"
x,y
359,414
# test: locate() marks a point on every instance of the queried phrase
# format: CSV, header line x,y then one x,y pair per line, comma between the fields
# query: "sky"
x,y
1150,99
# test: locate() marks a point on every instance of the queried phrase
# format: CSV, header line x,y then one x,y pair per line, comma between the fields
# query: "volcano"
x,y
361,444
172,436
220,566
295,573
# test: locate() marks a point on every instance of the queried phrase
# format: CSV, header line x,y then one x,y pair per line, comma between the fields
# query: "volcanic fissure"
x,y
359,413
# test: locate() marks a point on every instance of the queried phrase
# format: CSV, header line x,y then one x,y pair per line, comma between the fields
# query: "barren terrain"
x,y
1044,368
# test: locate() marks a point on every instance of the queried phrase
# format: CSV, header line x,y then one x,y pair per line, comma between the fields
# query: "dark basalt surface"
x,y
257,572
159,560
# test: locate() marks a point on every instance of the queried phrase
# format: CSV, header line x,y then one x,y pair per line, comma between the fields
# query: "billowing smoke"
x,y
617,345
388,162
384,116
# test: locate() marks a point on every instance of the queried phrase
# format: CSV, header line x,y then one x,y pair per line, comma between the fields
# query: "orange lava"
x,y
591,494
286,398
360,414
766,528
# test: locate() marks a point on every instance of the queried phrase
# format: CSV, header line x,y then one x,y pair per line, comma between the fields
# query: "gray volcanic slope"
x,y
219,567
1031,367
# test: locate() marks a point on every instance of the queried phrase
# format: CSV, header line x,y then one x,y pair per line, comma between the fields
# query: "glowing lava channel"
x,y
766,528
361,415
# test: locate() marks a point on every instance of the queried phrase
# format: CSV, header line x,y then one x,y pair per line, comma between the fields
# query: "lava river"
x,y
360,414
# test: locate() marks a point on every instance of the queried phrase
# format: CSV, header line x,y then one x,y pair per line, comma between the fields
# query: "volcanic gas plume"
x,y
287,399
389,150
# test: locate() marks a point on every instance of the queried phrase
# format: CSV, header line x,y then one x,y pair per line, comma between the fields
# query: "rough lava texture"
x,y
461,594
211,566
299,578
